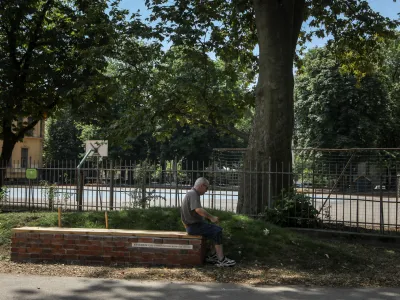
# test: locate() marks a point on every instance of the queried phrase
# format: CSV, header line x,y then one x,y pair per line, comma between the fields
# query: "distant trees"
x,y
339,110
62,140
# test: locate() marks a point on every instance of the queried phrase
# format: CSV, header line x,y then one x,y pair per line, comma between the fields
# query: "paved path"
x,y
23,287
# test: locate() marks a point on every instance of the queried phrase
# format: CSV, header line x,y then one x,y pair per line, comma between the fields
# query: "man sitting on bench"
x,y
193,215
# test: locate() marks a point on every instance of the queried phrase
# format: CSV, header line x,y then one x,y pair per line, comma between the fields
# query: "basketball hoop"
x,y
97,148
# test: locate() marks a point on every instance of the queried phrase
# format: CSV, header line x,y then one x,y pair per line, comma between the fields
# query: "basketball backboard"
x,y
98,147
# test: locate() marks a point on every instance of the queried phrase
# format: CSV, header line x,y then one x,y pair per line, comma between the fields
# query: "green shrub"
x,y
50,191
3,196
293,210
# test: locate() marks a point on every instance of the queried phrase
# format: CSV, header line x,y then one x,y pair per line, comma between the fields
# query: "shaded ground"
x,y
382,268
29,287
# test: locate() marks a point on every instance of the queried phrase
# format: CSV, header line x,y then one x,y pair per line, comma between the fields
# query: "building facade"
x,y
28,153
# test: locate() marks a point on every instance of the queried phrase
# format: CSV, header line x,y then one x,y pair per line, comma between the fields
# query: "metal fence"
x,y
102,184
353,189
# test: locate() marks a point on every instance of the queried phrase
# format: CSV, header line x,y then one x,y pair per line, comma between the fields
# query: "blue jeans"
x,y
209,231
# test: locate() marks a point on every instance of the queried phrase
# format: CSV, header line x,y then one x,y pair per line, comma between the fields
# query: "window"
x,y
24,157
41,128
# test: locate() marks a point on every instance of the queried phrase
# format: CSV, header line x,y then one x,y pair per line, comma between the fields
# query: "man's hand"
x,y
214,219
202,212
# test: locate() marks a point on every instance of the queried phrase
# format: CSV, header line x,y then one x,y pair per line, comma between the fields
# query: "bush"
x,y
293,210
3,196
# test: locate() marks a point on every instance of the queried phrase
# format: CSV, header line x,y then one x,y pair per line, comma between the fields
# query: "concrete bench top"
x,y
114,232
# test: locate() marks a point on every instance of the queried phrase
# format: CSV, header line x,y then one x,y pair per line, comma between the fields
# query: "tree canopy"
x,y
232,29
177,88
53,52
334,110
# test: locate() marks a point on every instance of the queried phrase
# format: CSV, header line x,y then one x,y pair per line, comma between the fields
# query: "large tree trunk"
x,y
9,141
268,161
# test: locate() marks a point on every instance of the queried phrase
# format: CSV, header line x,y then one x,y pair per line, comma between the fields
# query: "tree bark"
x,y
9,141
268,161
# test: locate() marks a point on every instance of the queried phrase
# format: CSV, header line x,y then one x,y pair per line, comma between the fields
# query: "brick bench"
x,y
106,246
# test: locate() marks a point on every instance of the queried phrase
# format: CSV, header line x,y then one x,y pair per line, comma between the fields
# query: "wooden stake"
x,y
59,217
106,216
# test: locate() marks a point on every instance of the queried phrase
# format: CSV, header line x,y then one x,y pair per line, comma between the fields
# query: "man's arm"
x,y
202,212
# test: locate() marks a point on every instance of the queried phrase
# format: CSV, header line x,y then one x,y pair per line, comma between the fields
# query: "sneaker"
x,y
226,262
212,259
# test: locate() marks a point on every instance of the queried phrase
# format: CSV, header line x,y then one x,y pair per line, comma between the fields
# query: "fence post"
x,y
175,170
81,180
354,186
213,176
97,183
112,185
397,198
269,182
314,193
381,208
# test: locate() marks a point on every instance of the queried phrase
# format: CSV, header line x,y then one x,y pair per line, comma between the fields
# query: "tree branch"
x,y
395,73
232,129
34,38
12,41
23,130
21,133
298,19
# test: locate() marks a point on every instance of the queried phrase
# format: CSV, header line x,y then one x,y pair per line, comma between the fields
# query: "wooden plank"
x,y
112,232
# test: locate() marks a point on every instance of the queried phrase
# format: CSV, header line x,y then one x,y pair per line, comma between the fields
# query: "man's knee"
x,y
218,238
216,228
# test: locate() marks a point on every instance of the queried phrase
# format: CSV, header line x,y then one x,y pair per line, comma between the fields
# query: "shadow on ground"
x,y
63,288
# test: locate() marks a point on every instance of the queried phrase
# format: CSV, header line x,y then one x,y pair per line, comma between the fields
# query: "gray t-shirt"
x,y
190,202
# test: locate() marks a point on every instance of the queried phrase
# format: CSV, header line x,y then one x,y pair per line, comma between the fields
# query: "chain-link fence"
x,y
347,189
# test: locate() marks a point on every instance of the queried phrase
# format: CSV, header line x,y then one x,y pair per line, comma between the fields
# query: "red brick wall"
x,y
104,247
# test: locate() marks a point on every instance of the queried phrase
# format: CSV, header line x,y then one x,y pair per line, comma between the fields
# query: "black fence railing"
x,y
355,189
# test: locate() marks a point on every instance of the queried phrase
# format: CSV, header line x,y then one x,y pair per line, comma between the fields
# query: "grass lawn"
x,y
281,256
